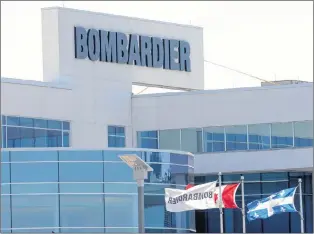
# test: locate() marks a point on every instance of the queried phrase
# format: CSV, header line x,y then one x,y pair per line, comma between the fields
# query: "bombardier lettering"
x,y
117,47
189,197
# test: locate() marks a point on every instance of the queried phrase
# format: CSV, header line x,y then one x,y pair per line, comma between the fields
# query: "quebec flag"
x,y
277,203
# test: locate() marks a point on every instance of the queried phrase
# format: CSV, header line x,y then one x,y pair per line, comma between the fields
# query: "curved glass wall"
x,y
257,186
89,191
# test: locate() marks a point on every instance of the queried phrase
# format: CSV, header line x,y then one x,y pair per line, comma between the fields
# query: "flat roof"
x,y
209,91
35,83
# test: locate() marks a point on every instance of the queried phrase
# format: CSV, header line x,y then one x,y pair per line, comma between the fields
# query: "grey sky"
x,y
268,39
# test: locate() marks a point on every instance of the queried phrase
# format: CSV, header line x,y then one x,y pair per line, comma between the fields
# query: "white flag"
x,y
200,197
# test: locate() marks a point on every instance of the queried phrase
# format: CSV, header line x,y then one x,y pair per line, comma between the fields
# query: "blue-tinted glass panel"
x,y
160,188
120,131
66,139
13,137
169,139
27,122
66,125
214,139
74,165
68,171
111,130
81,187
54,124
232,219
236,137
40,123
81,155
191,140
27,137
82,211
252,188
5,171
259,136
110,172
34,172
116,141
165,157
281,135
303,134
120,141
147,139
40,138
150,134
274,176
34,188
157,216
25,211
164,173
34,156
54,138
5,211
11,120
4,138
148,143
122,206
121,187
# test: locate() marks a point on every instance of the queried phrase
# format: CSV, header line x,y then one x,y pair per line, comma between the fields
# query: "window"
x,y
3,136
191,140
116,136
169,139
259,136
214,139
303,134
236,138
147,139
281,135
20,132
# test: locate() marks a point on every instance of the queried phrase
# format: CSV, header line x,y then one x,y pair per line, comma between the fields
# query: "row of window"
x,y
20,132
55,194
24,132
230,138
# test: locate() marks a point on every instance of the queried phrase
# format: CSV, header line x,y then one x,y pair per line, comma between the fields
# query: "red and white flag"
x,y
228,195
200,197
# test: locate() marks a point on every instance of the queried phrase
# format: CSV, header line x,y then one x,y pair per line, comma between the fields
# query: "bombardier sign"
x,y
117,47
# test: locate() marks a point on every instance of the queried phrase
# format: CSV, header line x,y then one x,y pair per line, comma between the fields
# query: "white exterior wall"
x,y
298,159
198,109
88,121
223,107
93,95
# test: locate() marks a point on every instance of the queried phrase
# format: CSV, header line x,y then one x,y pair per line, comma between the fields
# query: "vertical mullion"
x,y
59,191
293,134
247,137
202,141
270,136
11,213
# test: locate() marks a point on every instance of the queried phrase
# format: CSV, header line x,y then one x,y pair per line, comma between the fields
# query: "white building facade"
x,y
85,102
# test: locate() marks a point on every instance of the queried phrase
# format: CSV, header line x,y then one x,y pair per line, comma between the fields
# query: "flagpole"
x,y
220,205
301,206
243,205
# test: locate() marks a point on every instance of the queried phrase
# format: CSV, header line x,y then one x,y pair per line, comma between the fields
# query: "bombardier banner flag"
x,y
200,197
